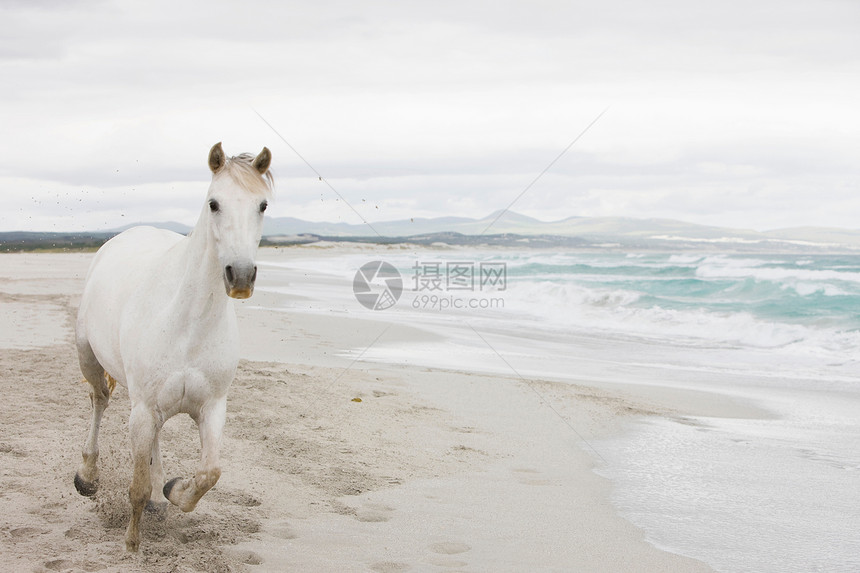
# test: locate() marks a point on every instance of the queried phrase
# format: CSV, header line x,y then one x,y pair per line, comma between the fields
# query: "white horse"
x,y
156,316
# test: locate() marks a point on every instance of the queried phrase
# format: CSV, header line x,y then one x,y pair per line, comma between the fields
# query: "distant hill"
x,y
501,228
83,240
509,222
601,228
26,241
180,228
667,233
439,240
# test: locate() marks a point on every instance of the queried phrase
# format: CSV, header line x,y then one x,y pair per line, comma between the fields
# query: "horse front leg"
x,y
185,493
142,432
157,504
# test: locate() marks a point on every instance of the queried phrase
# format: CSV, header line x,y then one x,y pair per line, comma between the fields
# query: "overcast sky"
x,y
729,113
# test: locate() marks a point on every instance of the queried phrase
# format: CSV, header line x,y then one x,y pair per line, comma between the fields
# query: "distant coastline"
x,y
499,229
82,242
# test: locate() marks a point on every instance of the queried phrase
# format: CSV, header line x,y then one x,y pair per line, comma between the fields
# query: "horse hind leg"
x,y
102,385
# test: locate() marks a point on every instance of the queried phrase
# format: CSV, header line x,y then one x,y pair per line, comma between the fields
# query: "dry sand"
x,y
430,471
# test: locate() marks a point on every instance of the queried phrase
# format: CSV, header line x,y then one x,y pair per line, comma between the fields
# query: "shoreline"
x,y
777,422
432,468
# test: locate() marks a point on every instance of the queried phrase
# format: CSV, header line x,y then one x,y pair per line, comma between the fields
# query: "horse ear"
x,y
263,160
216,158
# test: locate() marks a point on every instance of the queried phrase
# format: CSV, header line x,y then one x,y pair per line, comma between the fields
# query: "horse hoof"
x,y
169,486
158,510
86,488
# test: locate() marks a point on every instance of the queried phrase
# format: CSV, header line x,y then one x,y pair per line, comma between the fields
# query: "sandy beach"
x,y
329,463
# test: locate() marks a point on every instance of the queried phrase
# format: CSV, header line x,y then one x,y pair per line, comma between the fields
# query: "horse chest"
x,y
188,390
178,363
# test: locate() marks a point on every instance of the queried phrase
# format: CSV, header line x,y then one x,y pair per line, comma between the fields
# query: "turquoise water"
x,y
761,301
817,290
795,305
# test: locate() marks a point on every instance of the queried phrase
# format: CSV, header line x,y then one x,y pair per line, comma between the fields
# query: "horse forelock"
x,y
241,169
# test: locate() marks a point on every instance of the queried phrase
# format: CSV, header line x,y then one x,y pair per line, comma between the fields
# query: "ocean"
x,y
779,331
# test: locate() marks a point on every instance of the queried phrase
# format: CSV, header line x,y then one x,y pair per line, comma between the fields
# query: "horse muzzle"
x,y
239,279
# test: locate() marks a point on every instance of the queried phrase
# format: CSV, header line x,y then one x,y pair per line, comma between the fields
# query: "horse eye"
x,y
213,206
263,206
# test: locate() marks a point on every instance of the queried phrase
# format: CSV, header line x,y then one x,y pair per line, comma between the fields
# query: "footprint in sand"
x,y
24,532
59,565
246,500
444,551
449,548
527,481
282,531
389,567
373,513
247,557
527,477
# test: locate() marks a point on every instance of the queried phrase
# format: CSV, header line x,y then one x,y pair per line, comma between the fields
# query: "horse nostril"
x,y
228,270
254,275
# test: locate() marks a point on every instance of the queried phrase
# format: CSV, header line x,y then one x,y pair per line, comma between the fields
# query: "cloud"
x,y
444,108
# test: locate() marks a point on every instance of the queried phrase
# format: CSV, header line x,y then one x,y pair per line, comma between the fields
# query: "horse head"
x,y
237,198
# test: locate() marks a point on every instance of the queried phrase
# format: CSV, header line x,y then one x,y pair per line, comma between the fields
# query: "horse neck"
x,y
201,289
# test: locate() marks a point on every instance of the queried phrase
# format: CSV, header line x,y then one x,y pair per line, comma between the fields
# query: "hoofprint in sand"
x,y
328,464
